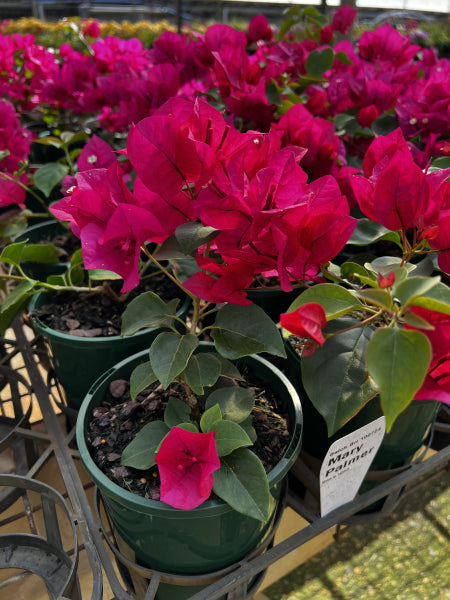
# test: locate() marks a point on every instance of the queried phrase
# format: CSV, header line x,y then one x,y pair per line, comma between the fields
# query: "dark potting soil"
x,y
116,422
90,314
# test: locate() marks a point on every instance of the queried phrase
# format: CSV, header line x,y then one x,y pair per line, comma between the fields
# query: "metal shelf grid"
x,y
91,526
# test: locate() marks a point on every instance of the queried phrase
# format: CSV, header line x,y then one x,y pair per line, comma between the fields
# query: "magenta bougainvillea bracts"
x,y
306,321
15,142
437,382
186,461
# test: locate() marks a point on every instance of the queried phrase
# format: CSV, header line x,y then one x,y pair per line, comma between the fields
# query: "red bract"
x,y
96,154
15,141
395,191
306,321
386,44
259,29
343,19
186,462
437,382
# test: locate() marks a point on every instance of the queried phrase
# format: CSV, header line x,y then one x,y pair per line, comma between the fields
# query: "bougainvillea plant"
x,y
382,326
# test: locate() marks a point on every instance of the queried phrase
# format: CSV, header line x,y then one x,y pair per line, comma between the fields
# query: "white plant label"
x,y
346,464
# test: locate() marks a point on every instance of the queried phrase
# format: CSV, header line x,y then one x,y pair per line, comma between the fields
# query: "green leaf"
x,y
140,453
210,418
141,378
48,176
319,61
102,275
4,154
13,253
229,437
235,402
188,427
397,361
192,235
203,370
77,258
410,289
14,302
343,58
335,300
417,322
378,297
170,353
438,299
40,253
147,310
247,426
335,376
244,330
367,232
228,369
349,269
273,94
242,483
176,412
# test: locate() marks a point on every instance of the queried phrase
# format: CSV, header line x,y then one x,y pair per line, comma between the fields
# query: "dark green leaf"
x,y
229,437
244,330
438,299
176,412
13,253
203,370
367,232
102,275
170,353
273,94
141,378
247,426
14,302
210,418
397,361
335,377
141,452
192,235
40,253
48,176
242,482
335,300
319,61
380,298
235,403
145,311
410,289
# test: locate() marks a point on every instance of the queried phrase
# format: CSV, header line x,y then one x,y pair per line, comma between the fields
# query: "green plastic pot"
x,y
399,447
208,538
79,361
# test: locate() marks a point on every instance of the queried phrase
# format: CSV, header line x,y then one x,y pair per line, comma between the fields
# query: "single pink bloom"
x,y
306,321
186,463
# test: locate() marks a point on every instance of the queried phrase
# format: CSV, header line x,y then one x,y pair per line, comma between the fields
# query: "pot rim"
x,y
80,341
211,506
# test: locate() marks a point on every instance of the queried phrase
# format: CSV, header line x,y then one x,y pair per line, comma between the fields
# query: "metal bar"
x,y
251,568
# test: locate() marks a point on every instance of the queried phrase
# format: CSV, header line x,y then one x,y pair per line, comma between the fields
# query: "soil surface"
x,y
116,422
97,315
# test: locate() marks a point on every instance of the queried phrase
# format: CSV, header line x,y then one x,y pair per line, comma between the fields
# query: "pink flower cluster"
x,y
121,82
190,165
15,142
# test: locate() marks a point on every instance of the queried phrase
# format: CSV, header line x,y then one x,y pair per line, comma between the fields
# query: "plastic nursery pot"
x,y
202,540
79,361
44,232
399,447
